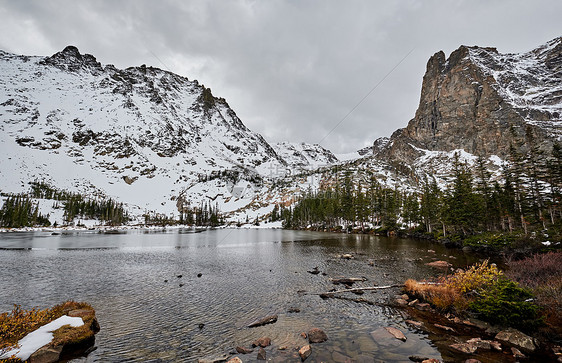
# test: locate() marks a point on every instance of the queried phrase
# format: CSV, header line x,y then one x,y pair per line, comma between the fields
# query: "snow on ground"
x,y
348,156
40,337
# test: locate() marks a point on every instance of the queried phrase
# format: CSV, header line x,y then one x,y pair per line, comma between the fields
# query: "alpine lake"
x,y
229,278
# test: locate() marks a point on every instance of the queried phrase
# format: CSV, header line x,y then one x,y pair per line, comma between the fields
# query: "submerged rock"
x,y
270,319
439,264
467,348
383,338
447,328
316,335
262,342
243,350
396,333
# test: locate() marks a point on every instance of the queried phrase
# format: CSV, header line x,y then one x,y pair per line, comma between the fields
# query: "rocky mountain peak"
x,y
483,102
70,59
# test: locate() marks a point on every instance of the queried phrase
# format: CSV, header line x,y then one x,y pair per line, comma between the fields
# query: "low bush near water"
x,y
484,291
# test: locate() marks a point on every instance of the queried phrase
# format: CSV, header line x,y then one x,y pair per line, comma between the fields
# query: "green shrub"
x,y
506,303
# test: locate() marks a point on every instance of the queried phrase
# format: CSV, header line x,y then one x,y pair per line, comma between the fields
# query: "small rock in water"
x,y
199,274
314,271
293,310
261,354
180,276
201,326
517,353
181,285
303,335
262,342
466,348
414,323
396,333
165,280
270,319
243,350
305,352
316,335
439,264
444,328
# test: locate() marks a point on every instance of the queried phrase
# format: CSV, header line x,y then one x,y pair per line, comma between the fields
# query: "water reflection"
x,y
145,315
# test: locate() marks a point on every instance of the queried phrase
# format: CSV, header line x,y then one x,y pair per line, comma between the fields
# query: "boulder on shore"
x,y
70,341
517,339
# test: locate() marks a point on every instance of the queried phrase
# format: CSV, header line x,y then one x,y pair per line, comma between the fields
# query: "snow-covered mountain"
x,y
141,135
158,141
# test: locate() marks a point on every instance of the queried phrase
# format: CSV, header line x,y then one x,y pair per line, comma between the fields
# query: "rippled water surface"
x,y
246,274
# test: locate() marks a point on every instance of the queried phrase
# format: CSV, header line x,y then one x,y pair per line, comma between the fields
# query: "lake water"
x,y
246,274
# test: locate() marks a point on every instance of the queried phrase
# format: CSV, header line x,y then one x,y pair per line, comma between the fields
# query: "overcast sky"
x,y
292,70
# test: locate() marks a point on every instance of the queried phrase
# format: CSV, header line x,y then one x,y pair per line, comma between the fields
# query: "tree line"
x,y
526,198
22,210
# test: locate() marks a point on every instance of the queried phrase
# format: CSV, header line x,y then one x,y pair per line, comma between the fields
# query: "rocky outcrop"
x,y
483,102
69,341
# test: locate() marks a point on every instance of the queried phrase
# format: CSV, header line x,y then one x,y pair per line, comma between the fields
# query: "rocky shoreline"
x,y
469,340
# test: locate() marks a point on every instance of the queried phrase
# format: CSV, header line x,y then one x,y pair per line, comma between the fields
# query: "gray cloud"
x,y
290,69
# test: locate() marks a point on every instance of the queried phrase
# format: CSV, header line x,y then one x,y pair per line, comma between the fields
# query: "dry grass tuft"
x,y
454,292
439,295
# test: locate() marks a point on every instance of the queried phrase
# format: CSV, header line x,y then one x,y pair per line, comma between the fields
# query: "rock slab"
x,y
517,339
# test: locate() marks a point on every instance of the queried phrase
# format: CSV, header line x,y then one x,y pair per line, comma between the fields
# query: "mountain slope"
x,y
140,135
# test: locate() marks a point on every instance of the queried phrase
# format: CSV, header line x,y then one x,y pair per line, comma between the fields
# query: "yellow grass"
x,y
18,323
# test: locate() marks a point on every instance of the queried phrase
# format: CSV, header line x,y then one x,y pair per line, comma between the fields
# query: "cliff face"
x,y
483,102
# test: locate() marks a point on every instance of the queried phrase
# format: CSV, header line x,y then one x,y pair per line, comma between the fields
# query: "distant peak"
x,y
70,59
71,50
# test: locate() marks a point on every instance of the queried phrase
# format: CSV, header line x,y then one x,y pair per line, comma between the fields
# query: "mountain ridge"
x,y
161,142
